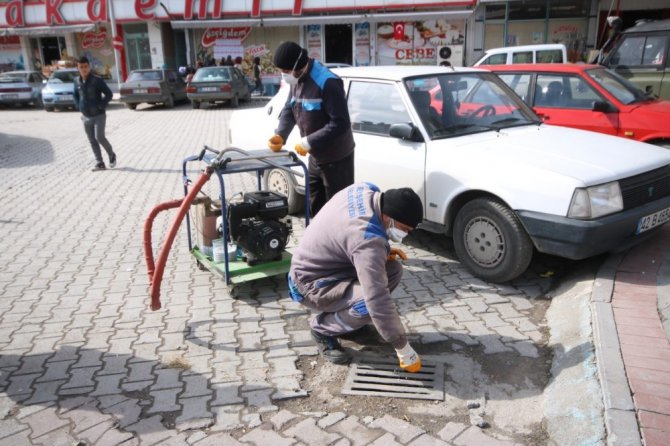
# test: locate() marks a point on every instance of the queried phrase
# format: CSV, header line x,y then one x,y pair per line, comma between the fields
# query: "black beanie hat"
x,y
403,205
286,55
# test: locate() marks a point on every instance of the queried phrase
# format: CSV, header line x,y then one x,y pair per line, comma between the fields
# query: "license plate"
x,y
208,89
652,220
140,91
65,97
9,96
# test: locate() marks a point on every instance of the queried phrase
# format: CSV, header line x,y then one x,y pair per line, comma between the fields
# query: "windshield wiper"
x,y
499,124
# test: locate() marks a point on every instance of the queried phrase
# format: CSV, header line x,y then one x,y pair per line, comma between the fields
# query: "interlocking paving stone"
x,y
308,432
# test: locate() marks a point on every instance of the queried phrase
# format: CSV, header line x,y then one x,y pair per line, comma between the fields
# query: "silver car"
x,y
218,84
21,87
159,86
59,90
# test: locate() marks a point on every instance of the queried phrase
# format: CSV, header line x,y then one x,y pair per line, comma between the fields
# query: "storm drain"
x,y
383,377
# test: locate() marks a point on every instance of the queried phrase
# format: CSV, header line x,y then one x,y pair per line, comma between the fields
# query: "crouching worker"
x,y
345,269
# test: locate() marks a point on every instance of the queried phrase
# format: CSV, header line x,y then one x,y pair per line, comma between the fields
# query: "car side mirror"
x,y
406,132
601,106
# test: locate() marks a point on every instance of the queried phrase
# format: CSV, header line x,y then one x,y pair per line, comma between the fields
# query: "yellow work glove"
x,y
395,253
302,147
409,359
276,143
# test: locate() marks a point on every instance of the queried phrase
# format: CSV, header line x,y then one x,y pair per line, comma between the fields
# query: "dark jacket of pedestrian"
x,y
92,96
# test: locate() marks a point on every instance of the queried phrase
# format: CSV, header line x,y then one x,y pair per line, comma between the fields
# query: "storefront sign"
x,y
94,40
211,35
314,41
408,43
10,53
256,50
96,11
362,41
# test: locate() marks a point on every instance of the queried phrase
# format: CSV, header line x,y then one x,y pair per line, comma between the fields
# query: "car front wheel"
x,y
278,180
131,106
195,104
169,103
490,240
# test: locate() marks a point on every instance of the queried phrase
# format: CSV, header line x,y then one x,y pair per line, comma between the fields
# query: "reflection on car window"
x,y
654,50
153,75
212,74
617,86
640,50
59,77
564,91
496,59
374,107
522,57
549,56
519,83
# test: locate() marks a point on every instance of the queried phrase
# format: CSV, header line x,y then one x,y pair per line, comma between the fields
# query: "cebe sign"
x,y
415,53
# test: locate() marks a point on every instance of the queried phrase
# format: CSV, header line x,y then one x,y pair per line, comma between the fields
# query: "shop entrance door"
x,y
338,44
51,50
138,52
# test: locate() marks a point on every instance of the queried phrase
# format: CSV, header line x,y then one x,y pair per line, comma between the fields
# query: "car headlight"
x,y
596,201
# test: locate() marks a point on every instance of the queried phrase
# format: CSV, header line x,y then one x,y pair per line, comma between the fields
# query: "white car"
x,y
489,172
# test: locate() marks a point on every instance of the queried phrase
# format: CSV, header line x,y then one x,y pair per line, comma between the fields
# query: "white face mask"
x,y
289,78
394,233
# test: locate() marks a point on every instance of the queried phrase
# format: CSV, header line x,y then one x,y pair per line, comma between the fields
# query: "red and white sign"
x,y
256,50
117,43
94,40
399,30
211,35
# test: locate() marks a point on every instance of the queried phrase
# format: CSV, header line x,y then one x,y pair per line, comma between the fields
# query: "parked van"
x,y
544,53
640,54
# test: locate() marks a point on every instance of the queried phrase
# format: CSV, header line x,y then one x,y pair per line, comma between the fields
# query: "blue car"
x,y
59,90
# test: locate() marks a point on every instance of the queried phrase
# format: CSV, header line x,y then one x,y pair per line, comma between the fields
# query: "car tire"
x,y
131,106
49,109
235,102
490,240
278,180
169,103
195,104
664,144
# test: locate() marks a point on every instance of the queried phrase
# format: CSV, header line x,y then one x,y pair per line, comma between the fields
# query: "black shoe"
x,y
330,348
99,166
112,161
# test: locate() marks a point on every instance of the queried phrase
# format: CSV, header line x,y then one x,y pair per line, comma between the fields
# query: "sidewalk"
x,y
631,306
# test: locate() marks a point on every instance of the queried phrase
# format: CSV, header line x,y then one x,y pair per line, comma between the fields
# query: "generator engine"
x,y
255,225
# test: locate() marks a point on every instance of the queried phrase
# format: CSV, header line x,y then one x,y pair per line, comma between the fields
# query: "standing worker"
x,y
345,268
92,95
317,104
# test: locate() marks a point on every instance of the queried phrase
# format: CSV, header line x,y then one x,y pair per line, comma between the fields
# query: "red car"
x,y
589,97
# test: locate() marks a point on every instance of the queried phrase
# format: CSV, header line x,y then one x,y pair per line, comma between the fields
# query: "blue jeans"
x,y
95,131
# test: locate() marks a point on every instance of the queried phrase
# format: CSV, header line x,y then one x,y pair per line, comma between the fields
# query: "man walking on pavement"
x,y
345,268
317,104
92,95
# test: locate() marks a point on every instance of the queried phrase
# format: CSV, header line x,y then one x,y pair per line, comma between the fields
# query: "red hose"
x,y
148,226
157,277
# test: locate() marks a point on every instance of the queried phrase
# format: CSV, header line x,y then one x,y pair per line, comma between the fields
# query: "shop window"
x,y
568,8
495,12
532,9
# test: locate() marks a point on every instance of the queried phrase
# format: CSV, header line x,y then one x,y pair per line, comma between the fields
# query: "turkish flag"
x,y
398,30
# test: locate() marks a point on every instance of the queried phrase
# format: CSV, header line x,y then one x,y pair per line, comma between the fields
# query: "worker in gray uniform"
x,y
345,268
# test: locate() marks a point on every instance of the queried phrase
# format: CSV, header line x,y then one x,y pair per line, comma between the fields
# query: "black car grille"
x,y
645,187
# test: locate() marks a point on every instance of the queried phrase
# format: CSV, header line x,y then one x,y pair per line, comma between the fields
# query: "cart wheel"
x,y
201,267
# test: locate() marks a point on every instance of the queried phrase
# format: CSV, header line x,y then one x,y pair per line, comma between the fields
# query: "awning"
x,y
46,30
323,19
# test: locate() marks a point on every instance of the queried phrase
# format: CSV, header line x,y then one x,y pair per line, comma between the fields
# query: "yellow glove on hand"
x,y
395,253
276,143
302,147
409,359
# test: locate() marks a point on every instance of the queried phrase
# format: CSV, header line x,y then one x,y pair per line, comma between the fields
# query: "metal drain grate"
x,y
383,377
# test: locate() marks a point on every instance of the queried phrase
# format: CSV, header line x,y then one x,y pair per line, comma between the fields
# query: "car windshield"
x,y
212,74
153,75
617,86
12,77
63,77
461,103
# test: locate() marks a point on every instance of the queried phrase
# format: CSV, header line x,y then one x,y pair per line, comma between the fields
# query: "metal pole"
x,y
116,52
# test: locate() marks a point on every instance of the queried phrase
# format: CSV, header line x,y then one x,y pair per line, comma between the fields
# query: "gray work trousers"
x,y
348,312
95,131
